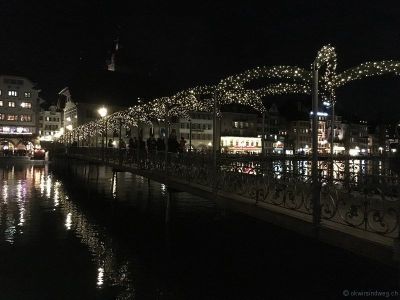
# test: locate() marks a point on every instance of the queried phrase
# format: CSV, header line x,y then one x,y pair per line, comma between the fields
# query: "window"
x,y
11,104
26,104
2,117
12,117
47,119
27,94
1,103
25,118
12,93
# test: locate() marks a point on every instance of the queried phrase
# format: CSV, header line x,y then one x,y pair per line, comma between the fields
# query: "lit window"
x,y
26,104
27,94
2,117
11,104
25,118
12,118
12,93
1,103
47,119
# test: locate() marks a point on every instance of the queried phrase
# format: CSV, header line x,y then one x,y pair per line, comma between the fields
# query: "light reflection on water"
x,y
118,244
351,170
17,197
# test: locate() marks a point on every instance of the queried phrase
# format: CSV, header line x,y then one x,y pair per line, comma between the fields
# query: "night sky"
x,y
202,42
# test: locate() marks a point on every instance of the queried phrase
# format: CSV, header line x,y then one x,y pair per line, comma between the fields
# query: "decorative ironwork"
x,y
355,193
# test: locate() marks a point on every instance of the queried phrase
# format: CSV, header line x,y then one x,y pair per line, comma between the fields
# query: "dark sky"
x,y
202,42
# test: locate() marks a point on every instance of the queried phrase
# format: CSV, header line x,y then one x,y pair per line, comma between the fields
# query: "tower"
x,y
111,64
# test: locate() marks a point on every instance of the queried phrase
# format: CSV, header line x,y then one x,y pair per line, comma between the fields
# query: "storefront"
x,y
245,145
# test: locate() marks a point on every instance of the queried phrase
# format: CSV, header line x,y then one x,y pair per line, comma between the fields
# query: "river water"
x,y
69,230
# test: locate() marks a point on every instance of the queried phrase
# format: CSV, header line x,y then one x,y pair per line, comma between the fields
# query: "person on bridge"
x,y
151,144
182,145
160,144
173,144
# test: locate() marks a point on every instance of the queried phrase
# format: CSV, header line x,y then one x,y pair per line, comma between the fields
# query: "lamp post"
x,y
263,136
96,141
315,180
333,127
103,113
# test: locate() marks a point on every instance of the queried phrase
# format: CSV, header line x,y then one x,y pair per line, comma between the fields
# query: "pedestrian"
x,y
182,145
110,143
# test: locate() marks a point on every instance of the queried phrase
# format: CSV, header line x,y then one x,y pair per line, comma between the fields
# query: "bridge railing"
x,y
363,196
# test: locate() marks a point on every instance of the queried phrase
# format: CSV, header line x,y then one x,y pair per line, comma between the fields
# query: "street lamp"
x,y
103,113
69,128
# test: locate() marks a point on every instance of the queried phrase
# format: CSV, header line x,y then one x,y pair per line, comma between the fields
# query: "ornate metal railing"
x,y
361,194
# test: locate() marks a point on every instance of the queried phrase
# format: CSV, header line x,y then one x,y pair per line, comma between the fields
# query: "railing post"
x,y
332,173
315,176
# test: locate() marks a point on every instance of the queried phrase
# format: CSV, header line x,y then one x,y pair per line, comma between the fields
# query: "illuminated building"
x,y
198,128
19,107
50,123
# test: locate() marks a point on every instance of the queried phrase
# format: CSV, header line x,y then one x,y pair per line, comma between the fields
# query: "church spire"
x,y
111,64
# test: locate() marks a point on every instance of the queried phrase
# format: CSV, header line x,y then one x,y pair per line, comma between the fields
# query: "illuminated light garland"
x,y
279,72
327,56
233,90
367,69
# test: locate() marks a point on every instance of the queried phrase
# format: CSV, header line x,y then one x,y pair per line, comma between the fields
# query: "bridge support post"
x,y
316,188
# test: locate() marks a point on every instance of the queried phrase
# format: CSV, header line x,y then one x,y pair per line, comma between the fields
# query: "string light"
x,y
234,89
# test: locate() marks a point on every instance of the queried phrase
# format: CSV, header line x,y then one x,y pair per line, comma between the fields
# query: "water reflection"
x,y
18,190
4,192
339,171
68,221
100,276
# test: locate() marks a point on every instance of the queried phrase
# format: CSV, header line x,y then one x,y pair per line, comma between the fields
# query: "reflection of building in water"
x,y
98,243
17,187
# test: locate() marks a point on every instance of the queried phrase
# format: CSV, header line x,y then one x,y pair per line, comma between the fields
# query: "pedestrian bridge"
x,y
358,199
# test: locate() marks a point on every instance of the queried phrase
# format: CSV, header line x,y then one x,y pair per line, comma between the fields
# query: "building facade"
x,y
19,110
197,131
50,124
76,113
